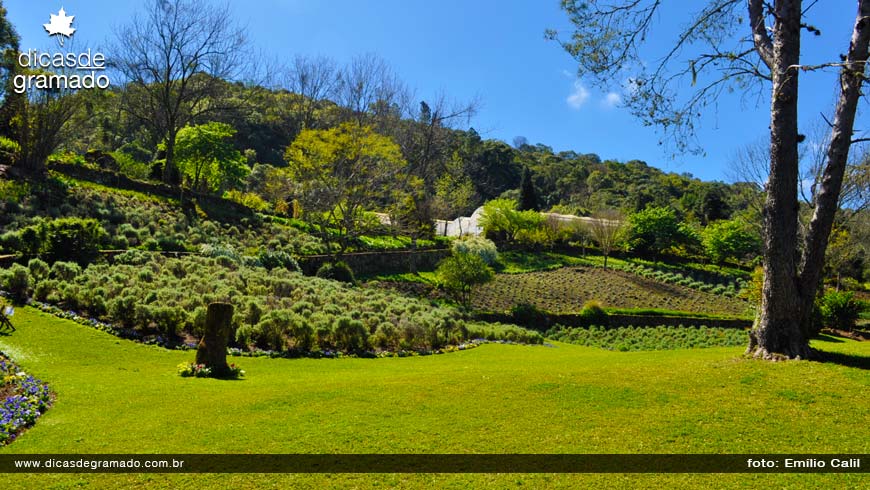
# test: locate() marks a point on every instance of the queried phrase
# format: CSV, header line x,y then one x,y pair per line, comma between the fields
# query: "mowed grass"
x,y
565,290
116,396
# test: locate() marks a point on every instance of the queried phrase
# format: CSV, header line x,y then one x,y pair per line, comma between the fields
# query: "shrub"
x,y
135,151
72,239
302,333
501,219
65,271
171,244
17,282
650,338
131,167
271,259
44,289
66,158
839,309
38,269
9,151
220,250
248,199
168,319
350,335
476,245
338,271
530,316
133,257
593,314
498,331
386,337
277,310
123,309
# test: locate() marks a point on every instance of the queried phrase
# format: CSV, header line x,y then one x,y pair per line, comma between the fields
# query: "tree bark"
x,y
777,331
170,172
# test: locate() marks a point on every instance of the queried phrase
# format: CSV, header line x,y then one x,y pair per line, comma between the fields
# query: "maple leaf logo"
x,y
60,26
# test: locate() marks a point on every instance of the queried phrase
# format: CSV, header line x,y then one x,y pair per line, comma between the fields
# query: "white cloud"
x,y
578,96
612,99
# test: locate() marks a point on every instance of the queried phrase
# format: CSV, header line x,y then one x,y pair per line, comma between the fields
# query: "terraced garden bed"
x,y
566,290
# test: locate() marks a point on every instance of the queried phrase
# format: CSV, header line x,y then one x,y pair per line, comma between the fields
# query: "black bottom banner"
x,y
434,463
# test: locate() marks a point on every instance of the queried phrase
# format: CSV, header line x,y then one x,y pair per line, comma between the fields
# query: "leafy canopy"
x,y
337,173
731,239
653,230
207,157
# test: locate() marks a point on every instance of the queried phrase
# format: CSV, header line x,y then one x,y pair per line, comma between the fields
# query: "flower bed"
x,y
25,399
194,370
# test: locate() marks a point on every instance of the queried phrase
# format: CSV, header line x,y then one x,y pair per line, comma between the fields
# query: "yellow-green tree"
x,y
338,173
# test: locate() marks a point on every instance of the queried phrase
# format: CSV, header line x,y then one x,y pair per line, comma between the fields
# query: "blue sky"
x,y
491,49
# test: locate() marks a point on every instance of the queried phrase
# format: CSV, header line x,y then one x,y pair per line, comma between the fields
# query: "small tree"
x,y
500,218
606,228
528,196
38,122
730,239
207,158
460,272
339,172
653,230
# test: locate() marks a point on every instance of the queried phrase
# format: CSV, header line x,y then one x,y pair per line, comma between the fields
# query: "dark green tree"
x,y
8,50
528,196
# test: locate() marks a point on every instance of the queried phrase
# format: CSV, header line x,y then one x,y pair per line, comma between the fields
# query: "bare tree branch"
x,y
760,37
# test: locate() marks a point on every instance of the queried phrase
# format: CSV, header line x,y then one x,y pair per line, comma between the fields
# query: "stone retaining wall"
x,y
390,262
615,321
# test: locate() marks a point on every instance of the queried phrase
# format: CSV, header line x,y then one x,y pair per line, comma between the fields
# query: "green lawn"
x,y
117,396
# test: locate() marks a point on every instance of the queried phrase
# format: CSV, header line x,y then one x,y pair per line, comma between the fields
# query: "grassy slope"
x,y
118,396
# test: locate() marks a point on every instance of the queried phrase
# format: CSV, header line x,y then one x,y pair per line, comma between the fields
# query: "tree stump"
x,y
212,349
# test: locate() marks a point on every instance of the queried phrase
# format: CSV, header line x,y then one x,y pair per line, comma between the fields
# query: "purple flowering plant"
x,y
26,399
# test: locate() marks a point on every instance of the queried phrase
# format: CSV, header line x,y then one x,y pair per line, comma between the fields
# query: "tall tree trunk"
x,y
777,329
784,324
827,198
171,174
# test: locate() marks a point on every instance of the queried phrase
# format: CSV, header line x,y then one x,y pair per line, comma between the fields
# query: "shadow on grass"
x,y
828,338
848,360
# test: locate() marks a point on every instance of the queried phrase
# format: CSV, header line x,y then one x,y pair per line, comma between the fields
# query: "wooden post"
x,y
212,349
